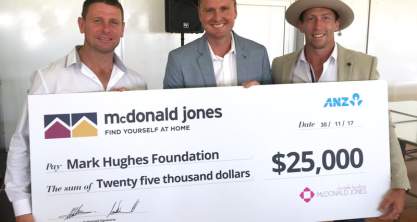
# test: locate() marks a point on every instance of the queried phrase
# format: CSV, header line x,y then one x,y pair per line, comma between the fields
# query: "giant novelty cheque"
x,y
267,153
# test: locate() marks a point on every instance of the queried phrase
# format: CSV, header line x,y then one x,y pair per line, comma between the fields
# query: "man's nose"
x,y
318,23
106,27
217,16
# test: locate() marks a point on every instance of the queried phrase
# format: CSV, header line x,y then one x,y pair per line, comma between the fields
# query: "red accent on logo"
x,y
307,195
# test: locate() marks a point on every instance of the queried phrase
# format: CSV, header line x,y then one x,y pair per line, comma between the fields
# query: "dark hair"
x,y
199,3
301,18
114,3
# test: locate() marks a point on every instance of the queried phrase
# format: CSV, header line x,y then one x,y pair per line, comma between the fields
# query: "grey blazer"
x,y
191,65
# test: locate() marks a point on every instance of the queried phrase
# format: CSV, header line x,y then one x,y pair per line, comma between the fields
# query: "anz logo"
x,y
355,100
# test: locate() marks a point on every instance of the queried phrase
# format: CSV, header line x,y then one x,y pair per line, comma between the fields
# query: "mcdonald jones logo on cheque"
x,y
70,125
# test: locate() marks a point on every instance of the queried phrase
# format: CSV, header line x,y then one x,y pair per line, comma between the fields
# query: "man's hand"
x,y
250,83
392,205
25,218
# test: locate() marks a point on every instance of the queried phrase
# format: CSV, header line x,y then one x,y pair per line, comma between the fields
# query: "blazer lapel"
x,y
288,67
344,64
204,62
241,60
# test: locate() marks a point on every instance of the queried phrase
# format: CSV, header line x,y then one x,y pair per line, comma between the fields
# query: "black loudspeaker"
x,y
181,16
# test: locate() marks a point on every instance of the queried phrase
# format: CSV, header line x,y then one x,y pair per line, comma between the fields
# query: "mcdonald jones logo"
x,y
70,125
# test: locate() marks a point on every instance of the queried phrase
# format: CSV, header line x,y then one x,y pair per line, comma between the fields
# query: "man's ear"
x,y
123,28
300,26
235,10
81,24
337,25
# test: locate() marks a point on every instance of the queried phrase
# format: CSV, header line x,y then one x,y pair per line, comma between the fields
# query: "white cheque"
x,y
267,153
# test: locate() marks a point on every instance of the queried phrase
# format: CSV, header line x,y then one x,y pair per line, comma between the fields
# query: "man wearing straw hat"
x,y
322,60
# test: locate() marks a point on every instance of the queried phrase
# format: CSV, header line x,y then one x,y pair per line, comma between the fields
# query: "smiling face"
x,y
217,17
103,27
319,25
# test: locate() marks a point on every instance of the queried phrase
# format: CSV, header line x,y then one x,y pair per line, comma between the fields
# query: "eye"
x,y
115,22
310,18
209,10
224,9
96,21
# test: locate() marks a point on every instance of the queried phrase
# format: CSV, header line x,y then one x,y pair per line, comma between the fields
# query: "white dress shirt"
x,y
304,72
67,75
225,68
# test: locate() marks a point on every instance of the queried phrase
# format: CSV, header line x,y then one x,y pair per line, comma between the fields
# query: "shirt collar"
x,y
333,56
231,51
73,58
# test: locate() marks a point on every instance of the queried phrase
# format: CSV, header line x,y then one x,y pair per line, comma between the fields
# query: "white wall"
x,y
263,22
32,34
393,32
355,36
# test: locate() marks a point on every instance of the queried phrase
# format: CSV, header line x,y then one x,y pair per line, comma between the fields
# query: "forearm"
x,y
17,178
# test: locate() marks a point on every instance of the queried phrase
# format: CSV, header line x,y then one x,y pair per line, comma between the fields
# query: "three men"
x,y
92,67
322,60
220,57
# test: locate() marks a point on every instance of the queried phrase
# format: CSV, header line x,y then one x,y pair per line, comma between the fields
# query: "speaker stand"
x,y
182,38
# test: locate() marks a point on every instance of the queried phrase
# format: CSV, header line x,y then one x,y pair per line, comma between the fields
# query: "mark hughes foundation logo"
x,y
70,125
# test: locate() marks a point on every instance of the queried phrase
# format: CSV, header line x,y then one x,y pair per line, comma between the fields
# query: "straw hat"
x,y
344,12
